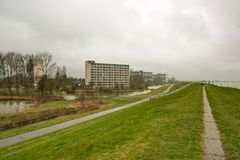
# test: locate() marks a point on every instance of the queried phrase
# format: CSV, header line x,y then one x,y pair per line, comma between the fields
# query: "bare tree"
x,y
3,70
49,69
49,66
58,78
9,70
42,85
18,67
18,70
29,73
64,76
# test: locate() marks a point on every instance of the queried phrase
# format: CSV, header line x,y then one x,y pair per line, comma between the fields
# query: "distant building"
x,y
75,82
147,76
106,75
163,77
38,70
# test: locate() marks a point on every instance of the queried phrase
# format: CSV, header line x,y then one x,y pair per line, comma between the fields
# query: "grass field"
x,y
166,128
27,128
225,103
114,102
178,85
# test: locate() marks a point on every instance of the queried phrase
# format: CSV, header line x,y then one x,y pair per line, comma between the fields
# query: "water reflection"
x,y
108,93
70,97
136,93
14,106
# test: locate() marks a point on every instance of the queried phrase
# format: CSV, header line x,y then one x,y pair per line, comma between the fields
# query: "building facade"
x,y
147,76
102,75
37,70
163,77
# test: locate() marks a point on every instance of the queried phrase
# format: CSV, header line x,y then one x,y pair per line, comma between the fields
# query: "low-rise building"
x,y
147,76
103,75
162,77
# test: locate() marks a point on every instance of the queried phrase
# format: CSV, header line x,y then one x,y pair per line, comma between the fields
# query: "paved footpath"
x,y
40,132
212,143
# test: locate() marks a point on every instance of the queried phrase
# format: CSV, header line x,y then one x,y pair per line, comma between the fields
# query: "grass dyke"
x,y
225,103
114,102
169,127
178,85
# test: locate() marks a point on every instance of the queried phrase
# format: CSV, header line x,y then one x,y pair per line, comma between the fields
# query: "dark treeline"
x,y
137,82
18,75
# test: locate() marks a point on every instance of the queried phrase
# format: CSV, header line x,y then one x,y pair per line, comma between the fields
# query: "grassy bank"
x,y
26,118
178,85
225,103
146,95
113,102
166,128
28,128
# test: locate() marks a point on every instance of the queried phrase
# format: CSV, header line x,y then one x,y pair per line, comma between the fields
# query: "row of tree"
x,y
137,82
17,71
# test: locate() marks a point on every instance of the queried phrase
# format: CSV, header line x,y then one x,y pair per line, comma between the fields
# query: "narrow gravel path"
x,y
40,132
212,143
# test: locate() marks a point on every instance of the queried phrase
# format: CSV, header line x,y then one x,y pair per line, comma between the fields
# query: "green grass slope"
x,y
114,102
225,103
178,85
166,128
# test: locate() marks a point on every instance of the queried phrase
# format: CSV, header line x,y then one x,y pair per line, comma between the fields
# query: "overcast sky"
x,y
188,39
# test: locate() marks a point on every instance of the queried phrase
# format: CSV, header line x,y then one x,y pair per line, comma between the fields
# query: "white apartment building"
x,y
106,75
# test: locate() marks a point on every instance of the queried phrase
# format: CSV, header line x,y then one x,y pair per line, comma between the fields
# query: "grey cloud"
x,y
188,39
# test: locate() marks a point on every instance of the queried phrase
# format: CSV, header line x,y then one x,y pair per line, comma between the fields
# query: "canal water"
x,y
135,93
141,92
227,84
14,106
104,95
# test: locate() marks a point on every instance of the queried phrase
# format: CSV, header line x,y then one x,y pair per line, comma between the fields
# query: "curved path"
x,y
212,143
40,132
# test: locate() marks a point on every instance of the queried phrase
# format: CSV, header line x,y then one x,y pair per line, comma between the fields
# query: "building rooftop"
x,y
93,62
